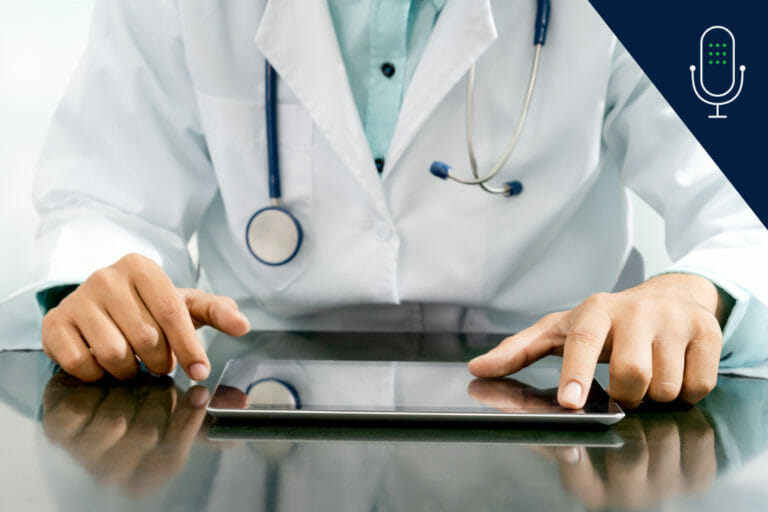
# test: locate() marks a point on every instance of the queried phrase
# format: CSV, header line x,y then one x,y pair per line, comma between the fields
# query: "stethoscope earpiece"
x,y
514,188
440,169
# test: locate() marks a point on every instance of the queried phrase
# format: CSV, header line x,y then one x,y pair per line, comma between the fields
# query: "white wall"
x,y
40,45
649,236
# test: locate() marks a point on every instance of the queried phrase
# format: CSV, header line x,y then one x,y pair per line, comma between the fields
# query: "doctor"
x,y
162,135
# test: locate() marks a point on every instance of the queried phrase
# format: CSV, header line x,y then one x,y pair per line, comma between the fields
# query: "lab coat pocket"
x,y
235,132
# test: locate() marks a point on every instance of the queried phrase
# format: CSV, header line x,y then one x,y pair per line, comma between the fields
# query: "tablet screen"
x,y
391,387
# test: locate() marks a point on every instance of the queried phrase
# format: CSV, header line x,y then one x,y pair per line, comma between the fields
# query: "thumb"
x,y
217,311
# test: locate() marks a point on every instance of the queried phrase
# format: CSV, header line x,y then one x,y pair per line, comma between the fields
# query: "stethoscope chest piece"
x,y
273,235
272,394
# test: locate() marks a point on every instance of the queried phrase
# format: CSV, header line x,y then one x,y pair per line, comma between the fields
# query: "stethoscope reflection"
x,y
267,393
135,435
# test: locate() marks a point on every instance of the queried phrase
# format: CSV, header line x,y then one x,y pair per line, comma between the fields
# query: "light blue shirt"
x,y
381,42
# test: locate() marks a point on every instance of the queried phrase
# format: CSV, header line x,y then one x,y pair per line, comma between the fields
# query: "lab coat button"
x,y
382,230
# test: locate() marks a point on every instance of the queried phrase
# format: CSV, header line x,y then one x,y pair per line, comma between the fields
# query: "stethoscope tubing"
x,y
511,188
273,157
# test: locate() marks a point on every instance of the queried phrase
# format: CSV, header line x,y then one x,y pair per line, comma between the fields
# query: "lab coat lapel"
x,y
299,40
464,30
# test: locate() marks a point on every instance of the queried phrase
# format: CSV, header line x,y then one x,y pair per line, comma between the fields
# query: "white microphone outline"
x,y
715,103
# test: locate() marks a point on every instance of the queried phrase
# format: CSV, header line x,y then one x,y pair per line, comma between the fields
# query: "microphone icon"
x,y
717,55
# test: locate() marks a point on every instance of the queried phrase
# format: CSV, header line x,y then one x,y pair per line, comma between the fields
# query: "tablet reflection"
x,y
137,436
664,456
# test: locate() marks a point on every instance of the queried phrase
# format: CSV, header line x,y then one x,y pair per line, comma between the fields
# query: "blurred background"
x,y
41,43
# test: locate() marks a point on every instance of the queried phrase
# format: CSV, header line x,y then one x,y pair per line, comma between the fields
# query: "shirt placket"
x,y
388,31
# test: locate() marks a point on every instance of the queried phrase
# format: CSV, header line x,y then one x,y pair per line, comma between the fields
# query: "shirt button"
x,y
388,69
382,230
379,164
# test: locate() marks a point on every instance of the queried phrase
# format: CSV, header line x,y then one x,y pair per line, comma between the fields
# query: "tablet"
x,y
309,390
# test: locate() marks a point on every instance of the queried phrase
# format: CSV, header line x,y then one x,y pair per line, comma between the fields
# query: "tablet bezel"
x,y
613,415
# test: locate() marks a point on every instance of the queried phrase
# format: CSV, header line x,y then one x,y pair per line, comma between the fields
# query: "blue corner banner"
x,y
708,59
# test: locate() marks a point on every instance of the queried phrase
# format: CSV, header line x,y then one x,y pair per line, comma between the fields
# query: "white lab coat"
x,y
162,135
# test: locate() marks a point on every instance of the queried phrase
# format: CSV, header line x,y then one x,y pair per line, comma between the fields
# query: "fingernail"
x,y
570,455
198,371
572,393
198,397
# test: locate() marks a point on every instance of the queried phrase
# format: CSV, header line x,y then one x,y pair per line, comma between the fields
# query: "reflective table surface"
x,y
148,444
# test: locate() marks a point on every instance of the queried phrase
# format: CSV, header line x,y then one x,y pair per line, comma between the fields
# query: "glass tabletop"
x,y
147,444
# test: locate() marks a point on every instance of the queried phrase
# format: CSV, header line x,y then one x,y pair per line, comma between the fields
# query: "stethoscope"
x,y
273,235
272,394
510,188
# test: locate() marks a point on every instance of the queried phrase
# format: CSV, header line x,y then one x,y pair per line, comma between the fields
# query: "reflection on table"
x,y
147,445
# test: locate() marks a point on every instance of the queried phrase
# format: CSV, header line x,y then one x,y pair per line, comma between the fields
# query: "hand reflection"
x,y
135,435
509,395
663,456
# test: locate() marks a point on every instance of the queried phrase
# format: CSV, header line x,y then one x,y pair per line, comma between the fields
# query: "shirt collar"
x,y
438,4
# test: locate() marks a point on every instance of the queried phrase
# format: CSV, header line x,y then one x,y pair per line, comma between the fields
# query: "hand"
x,y
662,339
132,309
133,436
664,456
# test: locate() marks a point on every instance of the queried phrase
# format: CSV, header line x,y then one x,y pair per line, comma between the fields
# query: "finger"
x,y
217,311
57,389
698,458
107,343
520,350
228,397
119,464
67,347
583,346
66,417
631,363
109,424
580,478
171,314
664,474
702,358
627,474
668,363
155,411
177,443
187,417
139,328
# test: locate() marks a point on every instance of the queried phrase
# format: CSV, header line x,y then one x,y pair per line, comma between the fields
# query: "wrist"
x,y
700,290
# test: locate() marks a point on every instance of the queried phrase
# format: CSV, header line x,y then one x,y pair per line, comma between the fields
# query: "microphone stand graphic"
x,y
720,41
